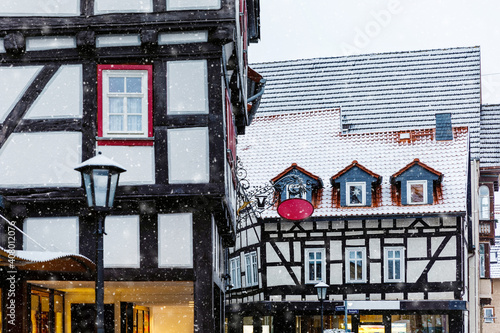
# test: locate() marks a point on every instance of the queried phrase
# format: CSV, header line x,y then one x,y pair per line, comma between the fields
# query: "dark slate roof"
x,y
490,135
379,92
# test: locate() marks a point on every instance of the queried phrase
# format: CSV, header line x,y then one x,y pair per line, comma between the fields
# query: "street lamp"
x,y
321,291
100,179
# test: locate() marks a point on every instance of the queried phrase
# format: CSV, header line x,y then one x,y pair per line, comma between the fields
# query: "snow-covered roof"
x,y
314,141
385,91
490,135
49,261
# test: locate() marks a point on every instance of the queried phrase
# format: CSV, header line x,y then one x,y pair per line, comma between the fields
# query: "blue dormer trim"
x,y
355,184
422,178
296,182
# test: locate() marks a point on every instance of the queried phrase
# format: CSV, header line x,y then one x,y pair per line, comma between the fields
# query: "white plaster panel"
x,y
284,249
443,271
354,233
121,241
375,232
122,6
356,297
375,272
311,298
50,43
41,160
175,240
2,47
387,224
371,223
435,242
138,160
301,234
355,242
450,250
13,83
336,297
315,242
393,241
182,37
375,297
449,221
252,236
192,4
417,247
403,223
118,40
188,155
62,97
270,227
416,296
59,234
414,269
338,225
277,276
322,225
187,87
40,8
354,225
375,251
448,295
297,251
305,226
275,298
336,274
271,255
394,296
432,222
336,250
293,298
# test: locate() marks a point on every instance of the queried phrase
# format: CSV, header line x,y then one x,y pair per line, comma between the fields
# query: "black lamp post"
x,y
100,179
321,291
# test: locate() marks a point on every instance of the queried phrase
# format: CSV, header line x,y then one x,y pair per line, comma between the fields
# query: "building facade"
x,y
159,86
388,233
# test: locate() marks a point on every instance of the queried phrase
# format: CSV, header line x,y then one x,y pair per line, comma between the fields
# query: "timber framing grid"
x,y
174,214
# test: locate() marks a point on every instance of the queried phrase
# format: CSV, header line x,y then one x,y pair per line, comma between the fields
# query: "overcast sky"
x,y
299,29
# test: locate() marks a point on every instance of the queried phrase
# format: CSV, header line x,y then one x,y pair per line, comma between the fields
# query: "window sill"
x,y
126,141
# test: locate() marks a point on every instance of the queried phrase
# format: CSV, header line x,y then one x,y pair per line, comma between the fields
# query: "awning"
x,y
45,261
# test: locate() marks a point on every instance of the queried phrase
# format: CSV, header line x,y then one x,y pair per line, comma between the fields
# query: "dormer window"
x,y
416,184
356,186
356,193
296,190
417,190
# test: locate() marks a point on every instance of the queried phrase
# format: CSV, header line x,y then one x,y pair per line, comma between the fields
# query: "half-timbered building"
x,y
162,87
388,232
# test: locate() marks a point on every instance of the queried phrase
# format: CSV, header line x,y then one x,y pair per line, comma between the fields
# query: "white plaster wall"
x,y
450,250
414,269
336,274
375,273
279,276
122,6
192,4
138,160
62,97
336,252
59,234
297,251
13,83
41,160
121,241
40,8
417,248
375,251
175,234
443,271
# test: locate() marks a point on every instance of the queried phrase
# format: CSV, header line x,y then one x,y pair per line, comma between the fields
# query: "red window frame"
x,y
148,141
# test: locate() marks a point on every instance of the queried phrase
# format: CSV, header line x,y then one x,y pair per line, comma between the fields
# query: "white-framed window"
x,y
315,269
252,272
355,193
394,264
125,102
489,315
484,202
295,191
416,192
235,272
355,258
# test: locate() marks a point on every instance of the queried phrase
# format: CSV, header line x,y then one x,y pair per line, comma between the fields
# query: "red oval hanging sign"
x,y
295,209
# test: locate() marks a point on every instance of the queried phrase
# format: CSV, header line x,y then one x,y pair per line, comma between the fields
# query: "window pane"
x,y
134,84
134,123
360,270
352,270
115,105
391,269
116,123
311,255
134,105
397,269
311,271
116,84
318,271
356,194
417,193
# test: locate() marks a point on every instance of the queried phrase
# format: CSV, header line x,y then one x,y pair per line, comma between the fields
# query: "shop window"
x,y
394,264
484,202
315,268
251,273
125,104
355,265
489,315
235,272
